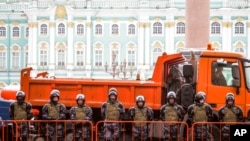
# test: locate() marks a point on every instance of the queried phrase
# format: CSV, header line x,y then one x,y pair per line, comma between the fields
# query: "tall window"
x,y
157,28
98,57
131,29
27,32
156,52
180,28
2,32
15,32
80,29
240,50
215,28
44,29
61,29
43,57
61,61
115,29
15,59
2,59
79,58
115,55
98,29
131,57
239,28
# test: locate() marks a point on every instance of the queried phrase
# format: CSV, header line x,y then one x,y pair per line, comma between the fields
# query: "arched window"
x,y
15,32
98,57
131,29
3,59
43,57
61,29
131,57
157,28
2,32
15,59
98,29
61,59
239,28
115,29
180,28
80,29
215,28
44,29
156,52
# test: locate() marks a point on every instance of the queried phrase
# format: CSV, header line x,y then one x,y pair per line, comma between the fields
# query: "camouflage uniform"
x,y
81,112
229,113
54,111
171,112
112,110
21,110
200,112
140,113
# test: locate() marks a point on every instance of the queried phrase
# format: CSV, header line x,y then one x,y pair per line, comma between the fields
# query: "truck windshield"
x,y
247,73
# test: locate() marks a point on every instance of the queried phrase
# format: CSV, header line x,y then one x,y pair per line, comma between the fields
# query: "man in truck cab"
x,y
140,113
171,112
81,112
112,110
54,111
21,110
200,112
218,78
229,113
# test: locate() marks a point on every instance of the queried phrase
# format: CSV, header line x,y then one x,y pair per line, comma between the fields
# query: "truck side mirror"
x,y
236,76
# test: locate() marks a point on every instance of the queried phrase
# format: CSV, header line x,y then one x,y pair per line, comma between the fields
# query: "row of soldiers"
x,y
114,110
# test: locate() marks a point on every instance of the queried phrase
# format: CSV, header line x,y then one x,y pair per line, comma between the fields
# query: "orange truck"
x,y
236,70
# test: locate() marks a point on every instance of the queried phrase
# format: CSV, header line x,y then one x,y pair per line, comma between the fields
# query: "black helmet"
x,y
199,98
171,94
113,91
54,93
138,99
20,97
80,97
20,94
230,96
202,93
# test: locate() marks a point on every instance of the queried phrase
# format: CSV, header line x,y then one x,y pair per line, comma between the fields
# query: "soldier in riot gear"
x,y
21,110
229,113
81,112
140,113
200,112
175,79
171,112
54,111
112,110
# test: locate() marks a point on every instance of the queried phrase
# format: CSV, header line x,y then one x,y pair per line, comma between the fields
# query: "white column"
x,y
229,37
224,36
171,37
147,46
248,39
34,52
52,43
30,44
167,37
88,47
70,46
140,56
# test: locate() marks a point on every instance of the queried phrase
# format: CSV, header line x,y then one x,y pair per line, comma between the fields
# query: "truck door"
x,y
246,70
220,82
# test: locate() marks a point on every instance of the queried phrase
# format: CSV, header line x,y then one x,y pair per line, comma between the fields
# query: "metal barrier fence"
x,y
74,130
217,131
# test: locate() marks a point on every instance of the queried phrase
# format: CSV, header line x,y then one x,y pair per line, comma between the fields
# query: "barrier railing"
x,y
140,131
217,131
72,130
